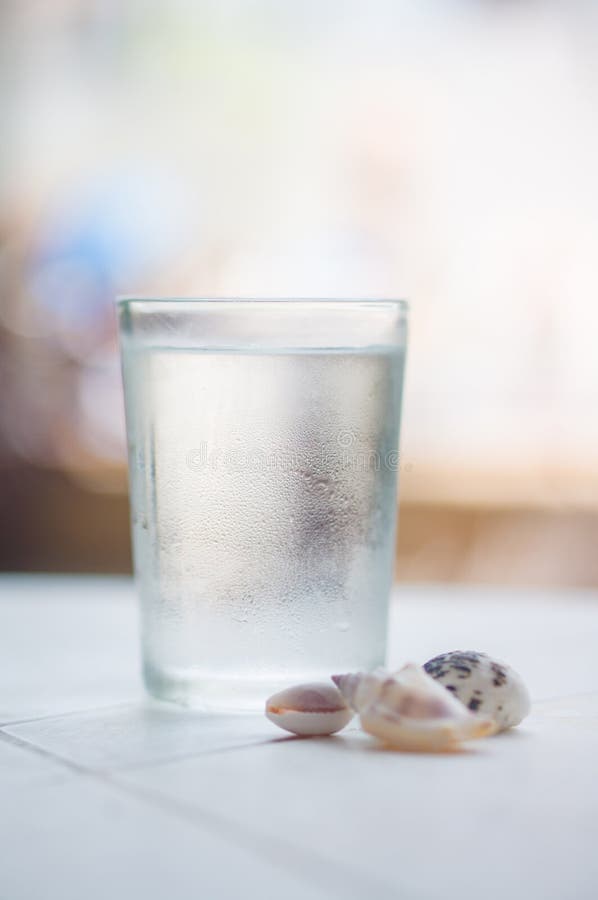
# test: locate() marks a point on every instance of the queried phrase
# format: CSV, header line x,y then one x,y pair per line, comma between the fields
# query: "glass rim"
x,y
402,304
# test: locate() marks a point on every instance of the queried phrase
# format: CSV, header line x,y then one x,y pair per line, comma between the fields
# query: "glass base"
x,y
195,690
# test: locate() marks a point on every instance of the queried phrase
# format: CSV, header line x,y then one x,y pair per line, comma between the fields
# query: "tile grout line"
x,y
6,731
28,744
276,852
11,723
184,757
272,849
28,747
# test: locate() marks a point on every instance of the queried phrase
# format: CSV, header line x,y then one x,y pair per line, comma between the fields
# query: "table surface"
x,y
104,794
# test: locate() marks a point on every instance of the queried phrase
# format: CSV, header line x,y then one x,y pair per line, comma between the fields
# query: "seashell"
x,y
483,684
408,710
309,709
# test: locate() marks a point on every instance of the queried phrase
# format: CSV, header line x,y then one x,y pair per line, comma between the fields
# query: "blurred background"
x,y
442,150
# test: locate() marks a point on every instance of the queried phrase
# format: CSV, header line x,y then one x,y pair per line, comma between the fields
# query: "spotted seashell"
x,y
485,685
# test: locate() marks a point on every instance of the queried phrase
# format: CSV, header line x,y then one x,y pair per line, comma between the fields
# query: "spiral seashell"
x,y
408,710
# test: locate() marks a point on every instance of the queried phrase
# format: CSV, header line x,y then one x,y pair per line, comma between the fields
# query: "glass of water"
x,y
263,467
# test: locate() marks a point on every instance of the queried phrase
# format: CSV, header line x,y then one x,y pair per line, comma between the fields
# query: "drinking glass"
x,y
263,461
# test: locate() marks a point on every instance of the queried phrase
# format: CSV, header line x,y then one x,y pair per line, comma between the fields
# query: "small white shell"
x,y
410,711
309,709
483,684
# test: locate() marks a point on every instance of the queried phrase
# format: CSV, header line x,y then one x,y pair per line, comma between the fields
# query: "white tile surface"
x,y
124,736
514,816
85,839
109,796
66,644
